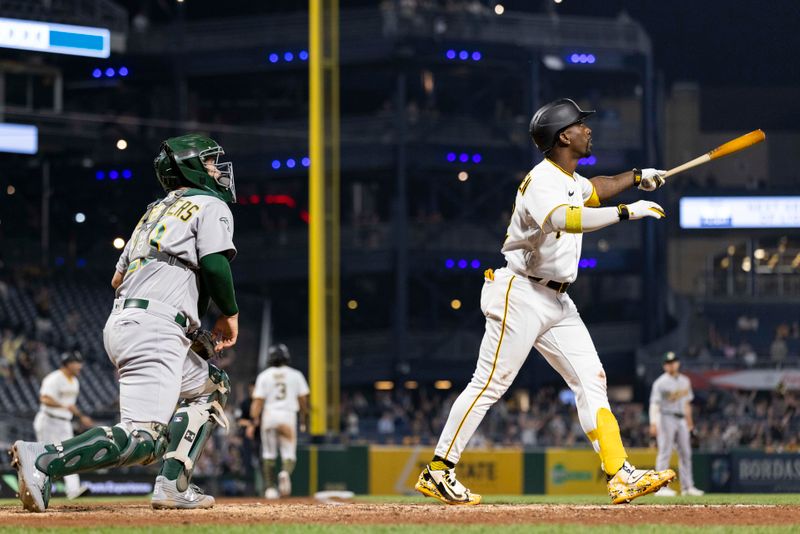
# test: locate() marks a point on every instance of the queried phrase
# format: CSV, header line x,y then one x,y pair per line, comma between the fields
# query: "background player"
x,y
58,398
526,304
280,393
177,258
671,423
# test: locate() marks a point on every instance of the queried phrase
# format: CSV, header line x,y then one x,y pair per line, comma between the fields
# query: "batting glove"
x,y
639,210
652,179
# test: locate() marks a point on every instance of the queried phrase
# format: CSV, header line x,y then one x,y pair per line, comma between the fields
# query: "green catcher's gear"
x,y
193,424
180,162
103,446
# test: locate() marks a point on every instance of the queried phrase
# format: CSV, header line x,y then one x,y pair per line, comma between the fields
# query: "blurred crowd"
x,y
724,419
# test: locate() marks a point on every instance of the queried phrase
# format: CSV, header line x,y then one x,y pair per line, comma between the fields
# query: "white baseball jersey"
x,y
671,393
280,387
62,389
531,247
193,227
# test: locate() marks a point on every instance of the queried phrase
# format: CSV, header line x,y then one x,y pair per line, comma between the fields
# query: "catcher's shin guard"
x,y
192,426
103,446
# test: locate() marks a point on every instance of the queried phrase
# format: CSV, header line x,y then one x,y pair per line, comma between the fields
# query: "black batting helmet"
x,y
71,356
277,355
551,119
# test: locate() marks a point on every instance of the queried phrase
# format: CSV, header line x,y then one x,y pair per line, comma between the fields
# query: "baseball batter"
x,y
58,398
526,304
279,394
175,261
671,423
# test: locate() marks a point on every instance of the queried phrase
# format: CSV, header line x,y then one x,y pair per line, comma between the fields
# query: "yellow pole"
x,y
323,243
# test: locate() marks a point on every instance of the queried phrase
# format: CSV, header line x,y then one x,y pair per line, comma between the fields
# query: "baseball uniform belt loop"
x,y
560,287
144,304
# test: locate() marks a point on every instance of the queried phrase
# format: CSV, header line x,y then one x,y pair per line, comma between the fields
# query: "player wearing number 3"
x,y
279,394
526,304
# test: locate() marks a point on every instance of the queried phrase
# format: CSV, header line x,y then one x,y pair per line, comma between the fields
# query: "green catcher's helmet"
x,y
180,162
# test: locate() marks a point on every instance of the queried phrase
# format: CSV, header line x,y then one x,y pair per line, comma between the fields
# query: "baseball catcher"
x,y
174,263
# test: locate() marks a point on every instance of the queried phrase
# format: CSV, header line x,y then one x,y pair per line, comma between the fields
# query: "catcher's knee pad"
x,y
103,446
190,428
217,387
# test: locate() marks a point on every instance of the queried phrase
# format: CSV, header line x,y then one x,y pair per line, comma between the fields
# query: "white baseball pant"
x,y
273,439
50,429
521,314
149,351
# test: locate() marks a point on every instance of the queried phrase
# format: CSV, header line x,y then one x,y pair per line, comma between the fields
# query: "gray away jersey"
x,y
671,394
195,226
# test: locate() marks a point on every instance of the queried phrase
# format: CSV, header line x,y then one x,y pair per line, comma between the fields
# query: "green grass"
x,y
401,529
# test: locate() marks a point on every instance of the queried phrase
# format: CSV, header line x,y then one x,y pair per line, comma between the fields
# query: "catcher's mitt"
x,y
203,344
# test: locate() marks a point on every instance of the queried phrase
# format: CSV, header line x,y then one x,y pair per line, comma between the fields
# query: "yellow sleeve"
x,y
593,201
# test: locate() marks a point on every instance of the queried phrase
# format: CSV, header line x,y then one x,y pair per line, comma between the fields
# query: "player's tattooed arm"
x,y
116,280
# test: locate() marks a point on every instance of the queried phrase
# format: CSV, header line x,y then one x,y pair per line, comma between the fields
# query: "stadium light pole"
x,y
324,221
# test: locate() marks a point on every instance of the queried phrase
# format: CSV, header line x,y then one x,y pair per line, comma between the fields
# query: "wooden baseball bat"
x,y
734,145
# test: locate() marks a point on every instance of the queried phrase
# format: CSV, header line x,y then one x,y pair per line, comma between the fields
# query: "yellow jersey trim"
x,y
560,168
594,200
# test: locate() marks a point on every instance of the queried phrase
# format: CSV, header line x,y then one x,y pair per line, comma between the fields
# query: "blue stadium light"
x,y
288,56
273,58
462,264
475,264
110,72
127,174
451,157
463,158
450,54
97,73
113,175
81,262
591,160
476,56
303,55
276,164
587,263
123,71
576,58
476,158
305,161
463,54
59,261
449,263
290,163
99,175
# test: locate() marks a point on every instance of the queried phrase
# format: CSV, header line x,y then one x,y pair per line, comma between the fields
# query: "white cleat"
x,y
34,486
666,492
272,494
72,496
284,484
167,496
445,487
693,492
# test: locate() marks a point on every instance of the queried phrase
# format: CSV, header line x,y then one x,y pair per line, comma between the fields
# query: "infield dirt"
x,y
250,511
